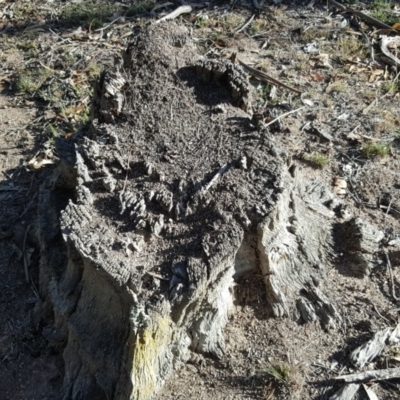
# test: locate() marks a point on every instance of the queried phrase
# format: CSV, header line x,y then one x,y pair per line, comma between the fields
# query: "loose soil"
x,y
345,95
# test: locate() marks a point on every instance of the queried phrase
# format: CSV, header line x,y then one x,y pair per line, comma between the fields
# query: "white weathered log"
x,y
374,375
395,336
385,41
346,392
370,393
370,350
295,224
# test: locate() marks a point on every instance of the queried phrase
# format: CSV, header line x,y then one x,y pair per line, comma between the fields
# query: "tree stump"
x,y
152,215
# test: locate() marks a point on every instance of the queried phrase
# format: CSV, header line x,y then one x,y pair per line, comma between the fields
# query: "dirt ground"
x,y
346,129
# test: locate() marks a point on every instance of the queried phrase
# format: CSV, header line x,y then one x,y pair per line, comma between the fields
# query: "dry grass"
x,y
386,123
375,149
349,46
280,371
284,373
316,159
315,33
28,82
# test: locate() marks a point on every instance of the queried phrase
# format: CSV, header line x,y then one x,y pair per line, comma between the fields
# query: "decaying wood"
x,y
385,41
375,375
231,76
369,351
346,392
370,393
139,267
395,336
362,242
389,267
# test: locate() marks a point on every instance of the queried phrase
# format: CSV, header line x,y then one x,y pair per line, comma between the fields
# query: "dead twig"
x,y
283,115
246,24
377,311
179,11
108,25
29,205
216,176
161,278
266,78
374,375
24,252
389,267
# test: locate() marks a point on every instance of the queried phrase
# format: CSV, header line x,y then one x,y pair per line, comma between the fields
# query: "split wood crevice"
x,y
150,217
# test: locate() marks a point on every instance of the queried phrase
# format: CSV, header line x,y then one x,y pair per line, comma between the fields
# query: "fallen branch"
x,y
374,375
179,11
266,78
365,17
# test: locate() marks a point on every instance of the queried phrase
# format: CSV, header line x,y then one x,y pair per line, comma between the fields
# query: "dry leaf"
x,y
74,110
317,77
70,135
5,78
372,78
322,60
332,86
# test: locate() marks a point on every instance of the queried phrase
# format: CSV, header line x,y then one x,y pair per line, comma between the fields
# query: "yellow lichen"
x,y
149,347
